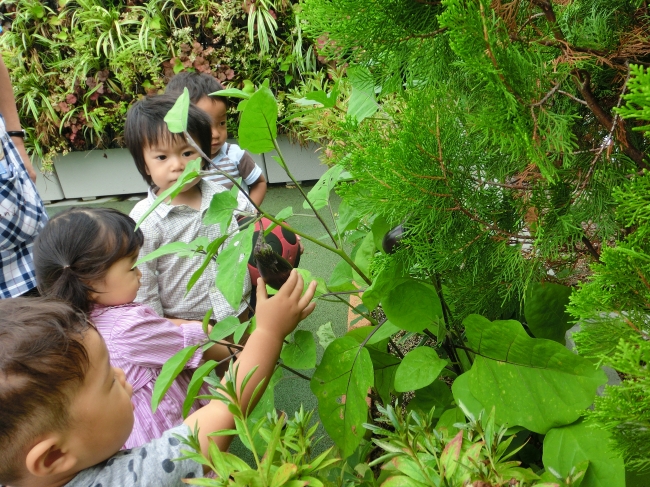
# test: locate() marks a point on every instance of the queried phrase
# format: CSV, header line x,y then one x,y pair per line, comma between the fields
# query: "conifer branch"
x,y
574,98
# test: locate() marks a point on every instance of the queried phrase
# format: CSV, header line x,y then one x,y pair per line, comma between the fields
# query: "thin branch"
x,y
574,98
302,376
397,350
591,249
548,95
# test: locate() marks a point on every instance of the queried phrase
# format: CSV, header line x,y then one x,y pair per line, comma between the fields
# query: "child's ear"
x,y
50,457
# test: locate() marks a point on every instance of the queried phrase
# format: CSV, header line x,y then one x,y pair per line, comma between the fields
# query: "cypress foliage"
x,y
496,140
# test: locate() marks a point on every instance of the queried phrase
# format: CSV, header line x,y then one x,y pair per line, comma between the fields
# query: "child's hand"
x,y
281,314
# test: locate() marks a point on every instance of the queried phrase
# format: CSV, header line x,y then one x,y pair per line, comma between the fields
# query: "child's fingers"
x,y
307,311
290,283
296,291
309,294
261,290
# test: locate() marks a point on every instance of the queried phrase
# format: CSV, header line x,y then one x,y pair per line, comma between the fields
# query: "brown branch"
x,y
574,98
439,195
548,95
591,249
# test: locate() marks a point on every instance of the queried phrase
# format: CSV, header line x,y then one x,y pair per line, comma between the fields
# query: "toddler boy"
x,y
228,157
65,412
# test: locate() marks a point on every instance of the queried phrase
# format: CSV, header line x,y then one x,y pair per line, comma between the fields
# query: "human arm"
x,y
10,114
276,318
258,190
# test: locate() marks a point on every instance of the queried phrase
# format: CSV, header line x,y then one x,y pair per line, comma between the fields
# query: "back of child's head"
x,y
145,126
77,247
42,363
198,84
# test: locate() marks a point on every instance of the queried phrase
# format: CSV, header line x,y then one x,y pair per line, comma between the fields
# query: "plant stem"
x,y
302,191
294,371
358,311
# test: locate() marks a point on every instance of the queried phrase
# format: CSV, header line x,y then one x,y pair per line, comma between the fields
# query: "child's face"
x,y
101,411
217,110
166,161
120,285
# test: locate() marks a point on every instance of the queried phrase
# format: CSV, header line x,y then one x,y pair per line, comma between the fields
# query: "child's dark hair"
x,y
42,363
198,84
77,247
145,126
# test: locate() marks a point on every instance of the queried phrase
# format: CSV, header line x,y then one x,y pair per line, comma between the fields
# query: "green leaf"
x,y
170,248
566,447
437,394
348,217
258,125
402,481
419,368
199,272
362,102
239,332
325,334
282,216
190,173
176,118
387,330
195,384
341,384
232,92
169,372
385,365
389,277
325,99
363,257
307,277
532,382
301,354
233,266
221,210
545,310
413,306
464,398
341,278
379,228
224,328
449,418
319,195
283,474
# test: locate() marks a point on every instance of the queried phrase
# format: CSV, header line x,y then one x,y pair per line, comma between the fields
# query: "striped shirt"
x,y
22,216
140,342
238,163
164,280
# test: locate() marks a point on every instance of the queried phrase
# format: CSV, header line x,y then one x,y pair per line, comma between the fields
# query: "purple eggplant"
x,y
273,268
392,239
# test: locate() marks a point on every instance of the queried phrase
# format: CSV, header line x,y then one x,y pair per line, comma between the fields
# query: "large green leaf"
x,y
413,306
169,372
233,266
385,365
545,310
176,118
258,125
301,353
348,217
419,368
388,278
220,210
566,447
319,195
464,397
379,228
362,102
325,335
341,278
341,382
436,394
532,382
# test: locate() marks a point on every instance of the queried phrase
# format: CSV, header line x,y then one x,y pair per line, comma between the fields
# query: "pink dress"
x,y
140,342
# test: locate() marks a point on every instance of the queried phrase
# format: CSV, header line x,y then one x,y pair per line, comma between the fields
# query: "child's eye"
x,y
188,153
222,124
161,157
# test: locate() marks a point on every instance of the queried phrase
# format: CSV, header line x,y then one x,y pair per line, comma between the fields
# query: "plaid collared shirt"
x,y
164,280
22,216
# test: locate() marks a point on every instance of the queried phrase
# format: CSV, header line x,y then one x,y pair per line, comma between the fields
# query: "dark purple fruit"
x,y
392,239
273,268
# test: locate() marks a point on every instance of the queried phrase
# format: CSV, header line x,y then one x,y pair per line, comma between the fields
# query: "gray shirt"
x,y
151,465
